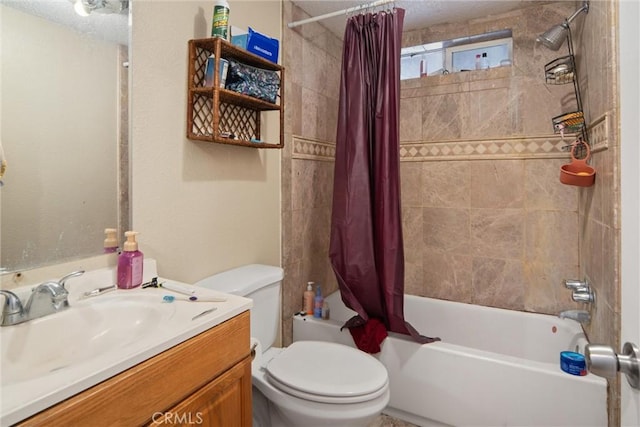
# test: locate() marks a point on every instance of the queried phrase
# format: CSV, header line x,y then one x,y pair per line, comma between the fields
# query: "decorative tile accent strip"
x,y
495,149
313,149
535,147
599,132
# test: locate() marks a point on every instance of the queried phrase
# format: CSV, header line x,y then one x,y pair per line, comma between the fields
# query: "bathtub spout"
x,y
581,316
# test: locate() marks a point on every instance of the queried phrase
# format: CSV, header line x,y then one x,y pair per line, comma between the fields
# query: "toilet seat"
x,y
327,372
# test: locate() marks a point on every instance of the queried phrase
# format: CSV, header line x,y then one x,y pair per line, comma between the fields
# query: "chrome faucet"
x,y
46,298
581,316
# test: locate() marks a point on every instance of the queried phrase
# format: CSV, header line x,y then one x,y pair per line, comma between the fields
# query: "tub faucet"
x,y
46,298
580,316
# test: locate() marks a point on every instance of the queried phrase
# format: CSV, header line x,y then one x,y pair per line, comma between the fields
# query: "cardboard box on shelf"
x,y
263,46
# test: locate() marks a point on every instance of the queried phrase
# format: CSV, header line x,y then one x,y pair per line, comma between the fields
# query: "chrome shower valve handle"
x,y
575,284
581,291
586,296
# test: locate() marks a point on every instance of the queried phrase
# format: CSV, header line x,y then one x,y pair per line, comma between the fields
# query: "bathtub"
x,y
493,367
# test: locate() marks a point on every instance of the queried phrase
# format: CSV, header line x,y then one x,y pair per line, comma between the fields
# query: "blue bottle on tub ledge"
x,y
317,303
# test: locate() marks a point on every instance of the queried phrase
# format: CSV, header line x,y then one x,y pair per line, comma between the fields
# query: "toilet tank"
x,y
262,284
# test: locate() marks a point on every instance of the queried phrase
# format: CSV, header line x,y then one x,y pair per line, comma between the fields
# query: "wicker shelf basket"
x,y
215,114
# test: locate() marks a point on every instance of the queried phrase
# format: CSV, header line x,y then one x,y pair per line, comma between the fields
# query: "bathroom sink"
x,y
88,329
49,359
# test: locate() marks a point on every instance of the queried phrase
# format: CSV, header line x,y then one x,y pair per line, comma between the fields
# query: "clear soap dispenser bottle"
x,y
130,263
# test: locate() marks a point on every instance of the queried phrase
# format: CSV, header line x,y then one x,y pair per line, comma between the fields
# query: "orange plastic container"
x,y
578,172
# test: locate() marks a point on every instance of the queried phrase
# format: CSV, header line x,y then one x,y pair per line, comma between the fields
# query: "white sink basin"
x,y
47,360
90,328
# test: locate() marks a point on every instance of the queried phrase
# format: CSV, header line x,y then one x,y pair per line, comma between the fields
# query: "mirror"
x,y
64,131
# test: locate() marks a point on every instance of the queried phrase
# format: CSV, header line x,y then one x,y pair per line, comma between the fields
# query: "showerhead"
x,y
555,36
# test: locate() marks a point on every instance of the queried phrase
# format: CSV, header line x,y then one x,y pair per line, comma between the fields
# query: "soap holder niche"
x,y
560,71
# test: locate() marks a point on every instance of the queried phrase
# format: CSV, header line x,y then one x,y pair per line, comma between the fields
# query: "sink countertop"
x,y
26,397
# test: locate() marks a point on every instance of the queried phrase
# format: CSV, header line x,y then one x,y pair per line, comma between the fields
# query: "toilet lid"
x,y
325,371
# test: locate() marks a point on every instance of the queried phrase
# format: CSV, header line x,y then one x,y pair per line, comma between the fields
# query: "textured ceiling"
x,y
419,13
112,27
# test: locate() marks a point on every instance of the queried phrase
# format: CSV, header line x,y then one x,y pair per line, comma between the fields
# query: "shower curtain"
x,y
366,248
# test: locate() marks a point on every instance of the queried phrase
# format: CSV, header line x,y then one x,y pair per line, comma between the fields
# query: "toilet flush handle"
x,y
603,361
253,350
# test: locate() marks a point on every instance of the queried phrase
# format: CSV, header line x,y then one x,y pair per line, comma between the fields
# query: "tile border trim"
x,y
532,147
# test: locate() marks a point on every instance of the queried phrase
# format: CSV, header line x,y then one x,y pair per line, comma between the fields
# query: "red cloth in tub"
x,y
367,336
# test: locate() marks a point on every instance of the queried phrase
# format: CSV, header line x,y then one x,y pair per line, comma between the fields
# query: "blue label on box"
x,y
263,46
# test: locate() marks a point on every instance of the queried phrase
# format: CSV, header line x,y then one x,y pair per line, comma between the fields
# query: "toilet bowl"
x,y
313,383
309,383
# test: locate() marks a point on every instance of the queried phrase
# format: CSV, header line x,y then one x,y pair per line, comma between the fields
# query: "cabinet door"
x,y
224,402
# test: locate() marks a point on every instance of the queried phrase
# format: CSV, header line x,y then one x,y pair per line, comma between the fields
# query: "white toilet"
x,y
309,383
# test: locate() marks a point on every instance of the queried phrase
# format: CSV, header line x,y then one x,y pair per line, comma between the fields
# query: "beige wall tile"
x,y
411,184
498,283
412,225
497,184
543,189
488,113
410,119
443,116
447,276
446,184
414,282
552,237
446,229
497,233
309,113
294,97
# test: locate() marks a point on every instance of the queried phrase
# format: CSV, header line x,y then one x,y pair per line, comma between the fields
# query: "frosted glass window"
x,y
429,63
463,58
455,55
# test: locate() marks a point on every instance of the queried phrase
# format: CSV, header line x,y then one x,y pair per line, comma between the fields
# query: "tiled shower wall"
x,y
312,57
486,220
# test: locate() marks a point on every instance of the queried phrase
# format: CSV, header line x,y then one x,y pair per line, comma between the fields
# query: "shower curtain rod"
x,y
339,12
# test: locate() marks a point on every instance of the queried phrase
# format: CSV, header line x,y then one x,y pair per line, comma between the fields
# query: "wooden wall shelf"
x,y
212,111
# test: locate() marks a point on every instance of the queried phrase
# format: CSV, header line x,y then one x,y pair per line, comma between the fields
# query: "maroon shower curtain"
x,y
366,248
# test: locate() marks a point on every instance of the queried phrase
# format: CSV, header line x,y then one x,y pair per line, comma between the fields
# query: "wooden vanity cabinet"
x,y
204,381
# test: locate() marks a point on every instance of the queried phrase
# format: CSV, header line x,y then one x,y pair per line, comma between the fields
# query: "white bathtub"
x,y
493,367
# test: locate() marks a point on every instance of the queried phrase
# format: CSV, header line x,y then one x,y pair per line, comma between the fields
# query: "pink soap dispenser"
x,y
130,263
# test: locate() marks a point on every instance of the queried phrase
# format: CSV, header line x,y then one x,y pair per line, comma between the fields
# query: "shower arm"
x,y
583,8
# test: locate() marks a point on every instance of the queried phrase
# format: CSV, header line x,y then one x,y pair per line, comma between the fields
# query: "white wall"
x,y
200,207
629,15
60,183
